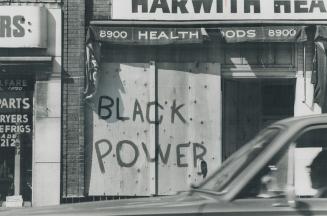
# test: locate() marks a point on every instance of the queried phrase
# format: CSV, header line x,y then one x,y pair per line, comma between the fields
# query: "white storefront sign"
x,y
219,9
23,26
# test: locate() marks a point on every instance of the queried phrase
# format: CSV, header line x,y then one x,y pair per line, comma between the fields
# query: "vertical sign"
x,y
16,108
23,26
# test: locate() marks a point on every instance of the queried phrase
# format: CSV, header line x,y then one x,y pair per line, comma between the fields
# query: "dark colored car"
x,y
282,171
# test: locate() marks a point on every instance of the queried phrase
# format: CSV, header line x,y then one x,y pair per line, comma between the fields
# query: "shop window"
x,y
284,54
266,54
250,55
260,55
277,100
16,124
233,55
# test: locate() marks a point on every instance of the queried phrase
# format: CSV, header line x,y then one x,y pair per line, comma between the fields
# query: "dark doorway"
x,y
250,105
7,167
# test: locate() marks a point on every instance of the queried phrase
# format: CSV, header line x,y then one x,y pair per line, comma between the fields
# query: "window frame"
x,y
298,136
288,148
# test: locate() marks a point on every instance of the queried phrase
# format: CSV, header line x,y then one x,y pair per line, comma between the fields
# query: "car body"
x,y
258,179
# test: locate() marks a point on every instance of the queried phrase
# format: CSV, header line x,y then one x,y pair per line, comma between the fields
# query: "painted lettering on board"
x,y
107,105
104,149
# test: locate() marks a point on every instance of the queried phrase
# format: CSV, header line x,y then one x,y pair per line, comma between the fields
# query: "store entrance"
x,y
251,104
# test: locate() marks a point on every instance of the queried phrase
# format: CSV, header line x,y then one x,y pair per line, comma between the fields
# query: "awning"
x,y
165,36
267,34
146,35
26,64
99,35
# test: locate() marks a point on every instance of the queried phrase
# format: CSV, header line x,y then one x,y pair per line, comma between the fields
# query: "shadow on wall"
x,y
109,96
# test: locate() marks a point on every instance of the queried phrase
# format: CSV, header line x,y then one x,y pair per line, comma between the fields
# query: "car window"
x,y
271,181
239,160
305,159
310,175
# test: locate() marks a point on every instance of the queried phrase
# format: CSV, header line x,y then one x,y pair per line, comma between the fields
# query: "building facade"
x,y
42,64
31,62
105,99
175,87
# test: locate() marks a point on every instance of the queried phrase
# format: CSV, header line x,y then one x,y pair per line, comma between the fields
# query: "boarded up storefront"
x,y
140,109
167,102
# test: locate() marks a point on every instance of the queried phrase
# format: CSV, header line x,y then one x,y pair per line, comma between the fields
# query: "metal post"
x,y
304,73
17,168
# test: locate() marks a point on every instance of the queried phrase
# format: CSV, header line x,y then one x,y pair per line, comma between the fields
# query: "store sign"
x,y
147,35
160,36
23,26
220,9
16,108
263,34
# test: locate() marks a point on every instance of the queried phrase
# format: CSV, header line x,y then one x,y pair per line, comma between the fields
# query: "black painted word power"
x,y
104,148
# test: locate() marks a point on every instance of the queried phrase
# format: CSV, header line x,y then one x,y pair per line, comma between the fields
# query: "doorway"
x,y
7,164
249,105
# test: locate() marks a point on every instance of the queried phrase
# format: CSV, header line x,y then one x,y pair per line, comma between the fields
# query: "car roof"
x,y
303,120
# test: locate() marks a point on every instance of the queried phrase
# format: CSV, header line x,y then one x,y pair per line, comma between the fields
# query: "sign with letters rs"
x,y
23,26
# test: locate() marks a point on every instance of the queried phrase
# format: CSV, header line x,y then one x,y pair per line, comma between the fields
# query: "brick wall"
x,y
73,105
98,9
72,170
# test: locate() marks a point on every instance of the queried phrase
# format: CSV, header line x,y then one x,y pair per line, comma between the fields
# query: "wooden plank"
x,y
121,131
190,131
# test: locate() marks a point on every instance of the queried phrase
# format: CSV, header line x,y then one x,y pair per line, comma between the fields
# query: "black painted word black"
x,y
107,106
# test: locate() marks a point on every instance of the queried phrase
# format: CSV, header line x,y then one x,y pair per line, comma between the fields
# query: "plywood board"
x,y
121,133
190,129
